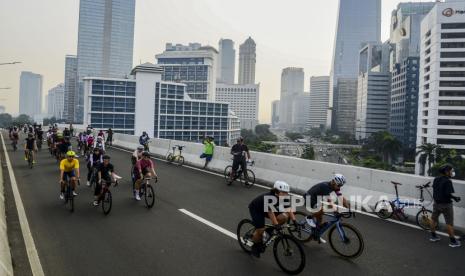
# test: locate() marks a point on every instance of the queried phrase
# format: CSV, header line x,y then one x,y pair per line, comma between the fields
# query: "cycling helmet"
x,y
30,135
96,149
339,179
70,153
282,186
140,148
59,135
146,153
106,157
445,168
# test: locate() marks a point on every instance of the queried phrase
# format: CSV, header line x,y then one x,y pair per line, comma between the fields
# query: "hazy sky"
x,y
297,33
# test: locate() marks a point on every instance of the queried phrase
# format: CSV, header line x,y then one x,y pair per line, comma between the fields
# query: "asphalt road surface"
x,y
133,240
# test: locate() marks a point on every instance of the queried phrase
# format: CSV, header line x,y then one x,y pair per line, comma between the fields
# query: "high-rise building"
x,y
146,103
30,94
359,21
70,94
194,65
300,111
346,105
374,90
441,108
243,100
247,61
226,61
405,70
55,101
292,85
319,101
2,109
105,42
275,114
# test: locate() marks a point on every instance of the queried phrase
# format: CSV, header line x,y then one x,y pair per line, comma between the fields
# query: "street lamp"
x,y
10,63
5,88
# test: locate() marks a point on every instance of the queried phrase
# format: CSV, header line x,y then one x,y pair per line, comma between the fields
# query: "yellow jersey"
x,y
67,166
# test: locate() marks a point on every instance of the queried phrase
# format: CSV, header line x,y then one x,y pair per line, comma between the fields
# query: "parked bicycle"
x,y
248,180
344,238
174,157
386,209
147,191
287,250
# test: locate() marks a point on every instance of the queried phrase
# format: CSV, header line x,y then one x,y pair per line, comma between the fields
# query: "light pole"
x,y
5,88
10,63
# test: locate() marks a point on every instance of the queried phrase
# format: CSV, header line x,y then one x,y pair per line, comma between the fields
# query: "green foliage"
x,y
294,135
428,153
50,121
22,119
5,120
309,153
448,156
254,139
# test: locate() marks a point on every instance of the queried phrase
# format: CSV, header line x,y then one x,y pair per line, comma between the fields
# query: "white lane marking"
x,y
31,249
211,224
299,196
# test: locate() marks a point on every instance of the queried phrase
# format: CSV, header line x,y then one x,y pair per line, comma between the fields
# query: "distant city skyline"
x,y
50,32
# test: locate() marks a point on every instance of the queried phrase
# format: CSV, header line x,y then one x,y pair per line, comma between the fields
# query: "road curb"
x,y
6,266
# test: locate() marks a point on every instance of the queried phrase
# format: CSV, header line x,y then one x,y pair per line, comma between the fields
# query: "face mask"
x,y
452,174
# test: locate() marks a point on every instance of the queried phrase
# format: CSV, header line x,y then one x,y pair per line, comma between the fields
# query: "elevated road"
x,y
170,240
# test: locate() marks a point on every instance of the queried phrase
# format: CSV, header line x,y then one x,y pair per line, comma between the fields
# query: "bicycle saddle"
x,y
396,183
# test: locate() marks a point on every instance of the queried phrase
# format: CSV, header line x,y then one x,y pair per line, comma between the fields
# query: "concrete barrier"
x,y
302,174
6,267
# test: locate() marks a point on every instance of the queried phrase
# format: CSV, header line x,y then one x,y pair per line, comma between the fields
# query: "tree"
x,y
5,120
309,153
50,121
427,152
383,143
264,134
294,135
23,119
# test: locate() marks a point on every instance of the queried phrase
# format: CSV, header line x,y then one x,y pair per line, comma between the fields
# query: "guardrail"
x,y
6,267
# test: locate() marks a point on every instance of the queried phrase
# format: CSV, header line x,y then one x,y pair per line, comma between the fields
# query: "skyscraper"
x,y
70,95
55,101
30,94
105,42
319,101
359,21
292,85
275,114
226,61
247,60
346,105
194,65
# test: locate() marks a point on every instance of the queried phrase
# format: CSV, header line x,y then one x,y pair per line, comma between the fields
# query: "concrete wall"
x,y
303,174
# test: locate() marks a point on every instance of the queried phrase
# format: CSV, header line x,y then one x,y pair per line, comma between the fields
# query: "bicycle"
x,y
147,191
287,250
341,235
105,197
39,144
14,144
30,159
176,158
248,181
93,176
69,197
385,209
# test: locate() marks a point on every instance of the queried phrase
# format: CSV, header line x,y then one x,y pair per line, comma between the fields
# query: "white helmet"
x,y
282,186
339,179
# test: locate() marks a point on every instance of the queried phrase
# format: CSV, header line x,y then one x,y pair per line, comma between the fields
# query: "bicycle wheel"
x,y
245,230
149,196
303,233
424,218
30,161
250,178
106,202
384,209
346,240
289,254
69,195
227,173
180,160
169,158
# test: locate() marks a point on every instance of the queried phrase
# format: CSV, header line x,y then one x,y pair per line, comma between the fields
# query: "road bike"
x,y
385,209
147,191
105,197
39,144
30,159
93,176
248,180
344,238
287,250
14,144
172,157
68,194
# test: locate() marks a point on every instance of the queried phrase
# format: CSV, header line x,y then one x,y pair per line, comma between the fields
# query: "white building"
x,y
247,61
162,109
275,114
55,101
194,65
2,109
226,61
243,100
319,101
441,108
300,111
292,85
30,94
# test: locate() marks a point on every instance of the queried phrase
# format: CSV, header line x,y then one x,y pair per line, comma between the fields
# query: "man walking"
x,y
208,150
443,195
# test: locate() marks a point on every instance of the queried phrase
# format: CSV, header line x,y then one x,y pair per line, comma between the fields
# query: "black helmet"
x,y
146,154
445,168
30,135
106,157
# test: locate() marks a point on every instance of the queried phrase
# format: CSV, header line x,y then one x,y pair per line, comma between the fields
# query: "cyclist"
x,y
64,146
39,136
241,154
101,134
66,132
136,156
93,162
144,168
69,169
259,211
144,140
324,189
15,135
110,136
106,175
99,143
71,129
83,142
90,141
30,147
